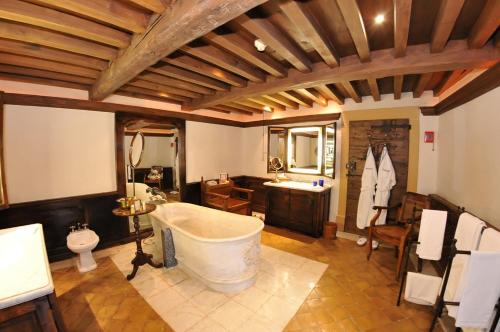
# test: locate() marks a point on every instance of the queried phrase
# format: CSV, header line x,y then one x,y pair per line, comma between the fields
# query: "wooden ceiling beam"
x,y
245,108
330,94
43,81
188,76
47,18
164,88
307,24
113,12
485,25
423,80
45,74
275,39
46,53
372,83
296,97
313,95
241,47
129,91
166,97
183,22
233,110
218,109
402,14
56,40
450,80
354,21
160,79
250,103
29,62
444,23
277,98
203,68
266,102
351,91
418,60
213,55
398,86
156,6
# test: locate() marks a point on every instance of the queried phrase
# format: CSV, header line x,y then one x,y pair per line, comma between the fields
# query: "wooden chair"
x,y
227,197
397,233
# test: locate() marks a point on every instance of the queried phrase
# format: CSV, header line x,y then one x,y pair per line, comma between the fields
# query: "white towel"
x,y
490,240
421,288
481,291
431,234
468,233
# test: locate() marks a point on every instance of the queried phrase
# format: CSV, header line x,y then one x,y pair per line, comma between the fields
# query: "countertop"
x,y
307,186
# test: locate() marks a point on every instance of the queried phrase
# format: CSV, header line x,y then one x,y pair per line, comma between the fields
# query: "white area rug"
x,y
283,283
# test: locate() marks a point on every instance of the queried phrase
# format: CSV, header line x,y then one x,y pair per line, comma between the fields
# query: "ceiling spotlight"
x,y
267,109
380,18
259,45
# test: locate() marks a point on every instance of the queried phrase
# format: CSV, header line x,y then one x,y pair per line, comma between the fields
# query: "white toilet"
x,y
82,242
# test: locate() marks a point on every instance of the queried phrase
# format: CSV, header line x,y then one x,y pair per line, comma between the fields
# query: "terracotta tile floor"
x,y
352,295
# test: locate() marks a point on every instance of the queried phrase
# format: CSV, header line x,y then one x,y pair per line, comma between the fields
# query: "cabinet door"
x,y
259,194
302,211
277,207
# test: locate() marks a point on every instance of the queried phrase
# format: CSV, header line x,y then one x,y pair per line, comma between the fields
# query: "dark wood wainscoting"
x,y
57,215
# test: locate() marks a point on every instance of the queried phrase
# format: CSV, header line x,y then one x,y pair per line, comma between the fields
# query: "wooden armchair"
x,y
397,233
227,197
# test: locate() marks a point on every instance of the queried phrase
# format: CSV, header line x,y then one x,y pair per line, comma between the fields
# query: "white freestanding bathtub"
x,y
219,248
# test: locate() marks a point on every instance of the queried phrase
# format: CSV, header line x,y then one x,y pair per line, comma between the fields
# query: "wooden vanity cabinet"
x,y
298,210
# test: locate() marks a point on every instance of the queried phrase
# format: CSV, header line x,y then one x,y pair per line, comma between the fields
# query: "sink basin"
x,y
297,185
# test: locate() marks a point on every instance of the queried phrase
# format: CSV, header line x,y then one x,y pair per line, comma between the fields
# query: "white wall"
x,y
212,149
54,153
157,151
428,156
469,156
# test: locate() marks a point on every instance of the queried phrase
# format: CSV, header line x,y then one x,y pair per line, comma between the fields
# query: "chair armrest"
x,y
249,192
217,195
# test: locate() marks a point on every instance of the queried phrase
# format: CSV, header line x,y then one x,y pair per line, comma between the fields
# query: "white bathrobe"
x,y
368,181
385,181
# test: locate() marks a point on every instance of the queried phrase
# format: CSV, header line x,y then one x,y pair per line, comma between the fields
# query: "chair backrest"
x,y
410,201
222,189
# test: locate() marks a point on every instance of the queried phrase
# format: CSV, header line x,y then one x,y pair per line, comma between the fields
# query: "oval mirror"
x,y
136,148
276,163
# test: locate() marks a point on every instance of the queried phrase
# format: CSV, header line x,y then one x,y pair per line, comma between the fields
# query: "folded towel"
x,y
481,290
431,234
468,231
421,288
490,240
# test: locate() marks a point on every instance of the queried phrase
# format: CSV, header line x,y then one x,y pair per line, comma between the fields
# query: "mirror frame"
x,y
319,169
325,136
139,133
4,202
269,170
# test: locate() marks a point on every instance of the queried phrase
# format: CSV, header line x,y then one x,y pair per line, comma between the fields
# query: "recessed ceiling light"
x,y
267,109
259,45
380,18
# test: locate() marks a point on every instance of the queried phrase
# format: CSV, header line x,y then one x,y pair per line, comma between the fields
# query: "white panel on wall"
x,y
54,153
212,149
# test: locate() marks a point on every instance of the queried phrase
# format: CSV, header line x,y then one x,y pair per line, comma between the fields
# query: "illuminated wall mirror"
x,y
276,145
330,135
305,145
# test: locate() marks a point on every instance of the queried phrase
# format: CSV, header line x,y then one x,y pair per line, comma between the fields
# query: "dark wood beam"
x,y
372,82
485,82
282,100
188,76
402,14
57,40
274,38
398,86
330,94
43,81
165,89
449,80
486,24
156,78
153,94
444,23
114,12
239,46
423,80
354,21
351,91
307,24
156,6
181,23
245,108
250,103
230,109
203,68
267,102
313,95
216,56
293,119
48,18
45,74
418,60
296,97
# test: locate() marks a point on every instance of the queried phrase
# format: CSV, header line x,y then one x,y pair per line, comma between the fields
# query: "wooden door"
x,y
394,133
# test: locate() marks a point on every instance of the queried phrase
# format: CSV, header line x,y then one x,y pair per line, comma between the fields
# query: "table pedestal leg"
x,y
140,258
